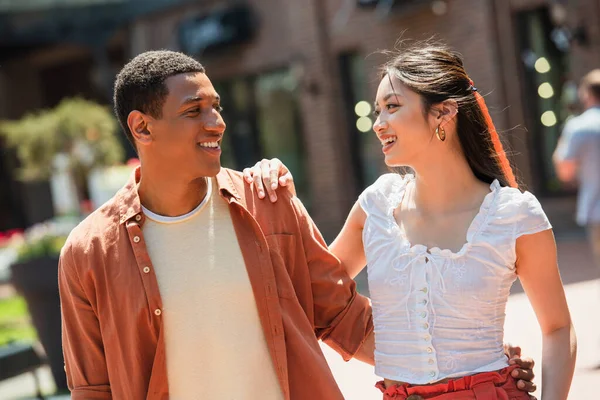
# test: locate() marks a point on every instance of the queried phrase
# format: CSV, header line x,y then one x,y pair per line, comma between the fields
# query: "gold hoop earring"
x,y
440,133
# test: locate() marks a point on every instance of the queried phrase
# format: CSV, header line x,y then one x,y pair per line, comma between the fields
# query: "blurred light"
x,y
549,118
561,37
542,65
364,124
529,57
558,13
439,7
545,90
362,109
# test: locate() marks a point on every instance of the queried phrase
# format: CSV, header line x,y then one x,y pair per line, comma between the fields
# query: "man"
x,y
185,285
577,157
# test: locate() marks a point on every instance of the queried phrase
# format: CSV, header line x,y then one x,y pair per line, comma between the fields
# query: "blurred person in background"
x,y
577,158
444,246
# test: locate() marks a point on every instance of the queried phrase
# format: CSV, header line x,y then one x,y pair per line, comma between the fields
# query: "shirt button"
x,y
425,326
424,302
423,314
157,311
427,337
429,349
424,290
432,374
136,239
138,217
431,361
146,270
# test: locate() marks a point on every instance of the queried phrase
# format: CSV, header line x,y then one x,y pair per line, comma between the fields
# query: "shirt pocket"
x,y
282,250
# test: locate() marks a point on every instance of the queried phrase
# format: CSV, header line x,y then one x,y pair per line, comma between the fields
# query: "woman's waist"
x,y
431,366
491,374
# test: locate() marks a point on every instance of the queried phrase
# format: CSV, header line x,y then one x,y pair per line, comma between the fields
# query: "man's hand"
x,y
269,174
524,374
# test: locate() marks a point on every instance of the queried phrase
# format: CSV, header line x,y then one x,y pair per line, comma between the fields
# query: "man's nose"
x,y
215,123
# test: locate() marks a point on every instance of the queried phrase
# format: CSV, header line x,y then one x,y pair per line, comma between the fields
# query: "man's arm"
x,y
87,374
342,317
567,154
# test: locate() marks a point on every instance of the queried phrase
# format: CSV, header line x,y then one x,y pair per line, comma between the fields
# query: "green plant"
x,y
43,239
15,324
46,246
81,129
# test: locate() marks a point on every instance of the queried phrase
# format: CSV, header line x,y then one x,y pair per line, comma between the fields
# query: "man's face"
x,y
186,141
583,96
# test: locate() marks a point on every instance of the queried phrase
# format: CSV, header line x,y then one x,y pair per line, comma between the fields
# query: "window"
x,y
550,96
366,158
263,121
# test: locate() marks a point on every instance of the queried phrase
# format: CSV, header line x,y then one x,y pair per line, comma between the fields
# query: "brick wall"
x,y
314,32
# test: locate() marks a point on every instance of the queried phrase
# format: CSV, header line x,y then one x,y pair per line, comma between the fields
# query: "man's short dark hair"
x,y
591,83
141,83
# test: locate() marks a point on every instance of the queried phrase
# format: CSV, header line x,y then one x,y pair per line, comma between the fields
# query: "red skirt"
x,y
496,385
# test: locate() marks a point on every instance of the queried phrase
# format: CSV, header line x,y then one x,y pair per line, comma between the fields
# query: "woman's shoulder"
x,y
523,208
386,190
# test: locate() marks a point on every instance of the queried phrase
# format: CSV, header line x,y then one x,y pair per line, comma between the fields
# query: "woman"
x,y
443,246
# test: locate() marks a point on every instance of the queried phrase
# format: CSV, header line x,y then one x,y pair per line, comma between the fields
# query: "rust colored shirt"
x,y
111,305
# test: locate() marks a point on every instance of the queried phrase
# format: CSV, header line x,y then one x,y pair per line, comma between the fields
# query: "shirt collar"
x,y
130,204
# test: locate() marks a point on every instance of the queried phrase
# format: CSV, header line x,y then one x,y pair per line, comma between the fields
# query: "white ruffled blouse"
x,y
440,314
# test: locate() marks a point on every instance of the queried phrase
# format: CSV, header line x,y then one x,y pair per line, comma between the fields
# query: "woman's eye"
x,y
390,106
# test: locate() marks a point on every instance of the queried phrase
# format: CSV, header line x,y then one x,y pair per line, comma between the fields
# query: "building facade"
x,y
291,74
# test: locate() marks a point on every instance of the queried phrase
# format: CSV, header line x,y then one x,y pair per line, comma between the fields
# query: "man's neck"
x,y
171,197
592,103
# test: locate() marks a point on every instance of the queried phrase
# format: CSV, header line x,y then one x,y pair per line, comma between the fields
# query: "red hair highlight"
x,y
500,153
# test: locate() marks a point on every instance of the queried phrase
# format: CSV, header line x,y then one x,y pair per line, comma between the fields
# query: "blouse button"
x,y
136,239
425,326
424,290
429,349
157,311
423,314
146,270
424,302
432,374
138,217
431,361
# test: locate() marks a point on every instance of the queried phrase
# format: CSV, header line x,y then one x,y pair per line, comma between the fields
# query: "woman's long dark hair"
x,y
437,73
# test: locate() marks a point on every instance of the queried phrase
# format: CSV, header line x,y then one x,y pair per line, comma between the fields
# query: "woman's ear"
x,y
447,110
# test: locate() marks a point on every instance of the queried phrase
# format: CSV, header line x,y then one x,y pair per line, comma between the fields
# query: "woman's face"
x,y
403,130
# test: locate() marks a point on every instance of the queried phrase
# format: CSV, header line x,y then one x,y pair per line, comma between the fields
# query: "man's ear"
x,y
137,122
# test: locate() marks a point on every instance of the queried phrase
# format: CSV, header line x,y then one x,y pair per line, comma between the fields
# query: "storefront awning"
x,y
30,24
